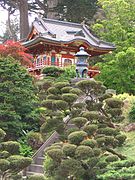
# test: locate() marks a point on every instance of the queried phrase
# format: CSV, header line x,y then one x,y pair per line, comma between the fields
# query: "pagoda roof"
x,y
63,32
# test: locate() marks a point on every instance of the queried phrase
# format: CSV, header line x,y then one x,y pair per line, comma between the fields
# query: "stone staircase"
x,y
38,158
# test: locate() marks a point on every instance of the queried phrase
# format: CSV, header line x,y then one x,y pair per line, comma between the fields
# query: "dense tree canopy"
x,y
17,97
118,27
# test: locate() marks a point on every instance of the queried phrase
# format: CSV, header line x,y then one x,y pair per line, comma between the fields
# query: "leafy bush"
x,y
91,115
34,139
52,71
83,152
121,139
112,158
4,165
69,149
18,163
61,105
60,85
132,114
79,121
79,105
77,137
66,89
4,154
11,146
53,90
89,142
37,177
69,98
114,103
55,154
90,129
76,91
2,134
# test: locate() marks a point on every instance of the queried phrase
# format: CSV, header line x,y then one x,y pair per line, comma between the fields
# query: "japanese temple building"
x,y
53,42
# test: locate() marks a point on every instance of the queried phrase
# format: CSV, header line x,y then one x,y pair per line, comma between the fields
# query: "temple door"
x,y
53,60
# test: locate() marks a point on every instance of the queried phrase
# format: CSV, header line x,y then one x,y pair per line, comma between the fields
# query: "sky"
x,y
4,17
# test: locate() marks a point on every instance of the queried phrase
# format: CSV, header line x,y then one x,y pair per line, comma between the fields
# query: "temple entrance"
x,y
67,62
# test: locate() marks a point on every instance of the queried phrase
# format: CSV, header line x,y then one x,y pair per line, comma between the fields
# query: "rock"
x,y
130,127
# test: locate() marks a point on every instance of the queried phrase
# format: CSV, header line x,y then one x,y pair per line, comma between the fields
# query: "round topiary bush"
x,y
52,71
66,89
91,115
11,146
69,149
97,151
55,154
48,104
89,142
4,165
60,85
83,152
77,137
69,98
90,129
2,134
79,105
114,103
34,139
76,91
4,154
121,139
61,105
112,158
79,121
37,177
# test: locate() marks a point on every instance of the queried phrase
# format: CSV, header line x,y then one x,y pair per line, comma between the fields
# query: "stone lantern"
x,y
81,65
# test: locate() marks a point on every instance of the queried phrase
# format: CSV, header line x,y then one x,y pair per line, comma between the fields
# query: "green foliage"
x,y
17,94
90,129
18,163
69,149
76,91
77,137
114,103
10,146
112,158
34,139
83,152
89,142
37,177
52,71
66,89
79,121
2,134
4,165
121,139
132,114
61,105
118,70
69,98
55,154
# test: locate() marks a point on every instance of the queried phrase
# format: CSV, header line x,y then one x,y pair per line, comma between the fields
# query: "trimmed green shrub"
x,y
112,158
4,165
66,89
52,71
4,154
101,141
69,149
55,154
90,129
76,91
34,139
69,131
11,146
102,164
37,177
91,115
2,134
105,96
48,104
61,105
69,98
54,97
79,121
79,105
60,85
114,103
77,137
18,163
53,90
115,112
121,139
89,142
108,131
83,152
97,151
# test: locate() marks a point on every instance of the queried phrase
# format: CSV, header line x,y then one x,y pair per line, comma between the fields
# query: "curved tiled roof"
x,y
65,32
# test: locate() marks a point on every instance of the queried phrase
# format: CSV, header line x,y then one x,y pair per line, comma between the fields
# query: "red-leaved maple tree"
x,y
17,51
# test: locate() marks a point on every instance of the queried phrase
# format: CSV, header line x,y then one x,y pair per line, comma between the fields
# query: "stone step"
x,y
36,168
29,173
39,160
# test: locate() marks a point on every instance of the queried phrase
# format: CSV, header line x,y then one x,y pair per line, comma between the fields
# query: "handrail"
x,y
54,135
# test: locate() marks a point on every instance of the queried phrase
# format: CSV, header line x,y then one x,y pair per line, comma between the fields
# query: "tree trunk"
x,y
52,13
24,23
